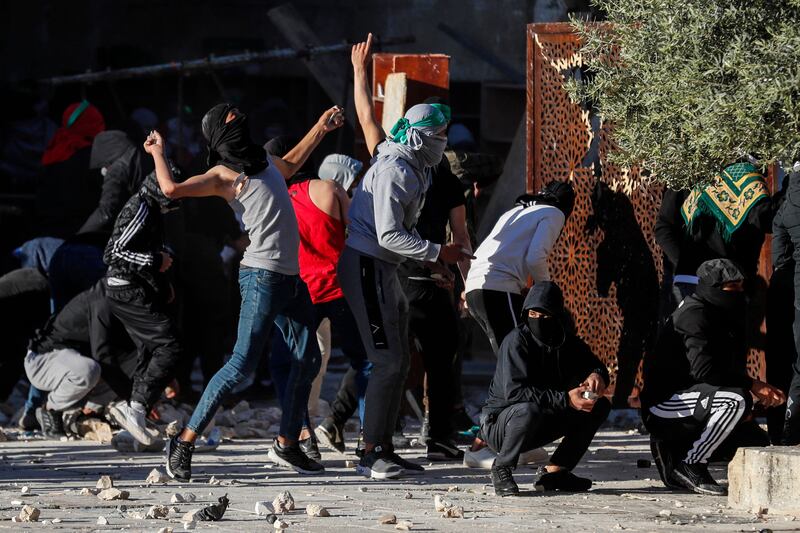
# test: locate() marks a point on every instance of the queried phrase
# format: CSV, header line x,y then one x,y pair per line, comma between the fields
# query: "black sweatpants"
x,y
143,313
791,428
496,312
781,354
523,427
697,420
433,322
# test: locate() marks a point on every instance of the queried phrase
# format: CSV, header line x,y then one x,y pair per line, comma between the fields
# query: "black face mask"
x,y
229,143
548,331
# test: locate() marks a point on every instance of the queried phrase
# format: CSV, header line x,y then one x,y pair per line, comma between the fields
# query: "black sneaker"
x,y
378,464
179,459
503,481
662,457
695,477
27,421
309,447
292,457
412,469
330,435
51,422
444,450
564,481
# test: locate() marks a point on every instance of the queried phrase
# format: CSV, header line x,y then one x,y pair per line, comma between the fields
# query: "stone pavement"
x,y
624,497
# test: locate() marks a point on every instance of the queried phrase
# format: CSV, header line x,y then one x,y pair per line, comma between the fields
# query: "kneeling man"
x,y
547,385
696,388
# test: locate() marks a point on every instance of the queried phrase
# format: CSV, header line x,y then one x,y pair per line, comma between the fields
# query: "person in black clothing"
x,y
786,278
548,384
138,293
692,404
78,263
70,354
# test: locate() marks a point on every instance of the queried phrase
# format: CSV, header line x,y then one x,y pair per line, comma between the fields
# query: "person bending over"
x,y
547,385
696,392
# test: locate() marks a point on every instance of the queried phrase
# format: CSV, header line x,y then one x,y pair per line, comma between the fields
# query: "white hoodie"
x,y
517,248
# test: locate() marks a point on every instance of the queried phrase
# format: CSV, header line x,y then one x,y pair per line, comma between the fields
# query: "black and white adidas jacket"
x,y
134,251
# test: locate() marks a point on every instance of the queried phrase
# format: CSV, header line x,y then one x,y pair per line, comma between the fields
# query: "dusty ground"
x,y
624,496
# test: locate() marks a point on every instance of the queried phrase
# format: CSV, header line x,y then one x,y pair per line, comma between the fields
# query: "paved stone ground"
x,y
624,497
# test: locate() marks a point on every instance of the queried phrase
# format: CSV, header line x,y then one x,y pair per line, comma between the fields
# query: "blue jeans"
x,y
344,324
268,297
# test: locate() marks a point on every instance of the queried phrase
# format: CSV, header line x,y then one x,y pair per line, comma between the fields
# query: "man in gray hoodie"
x,y
383,214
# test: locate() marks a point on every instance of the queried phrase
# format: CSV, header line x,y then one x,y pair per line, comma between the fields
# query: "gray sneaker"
x,y
378,464
132,418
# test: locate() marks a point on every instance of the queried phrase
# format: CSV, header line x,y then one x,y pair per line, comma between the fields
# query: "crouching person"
x,y
547,385
70,354
696,389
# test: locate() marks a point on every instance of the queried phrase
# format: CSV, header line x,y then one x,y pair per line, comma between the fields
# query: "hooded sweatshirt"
x,y
388,201
703,341
530,370
786,234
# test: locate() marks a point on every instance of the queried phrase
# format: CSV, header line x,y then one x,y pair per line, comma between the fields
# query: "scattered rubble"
x,y
156,477
105,482
29,513
213,481
88,492
280,525
440,504
387,519
283,502
404,525
102,521
313,509
264,509
113,494
177,498
157,512
453,512
96,430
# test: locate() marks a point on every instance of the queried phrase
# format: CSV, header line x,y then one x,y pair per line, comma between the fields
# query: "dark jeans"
x,y
143,313
496,312
791,428
342,321
523,426
74,268
268,297
433,321
781,354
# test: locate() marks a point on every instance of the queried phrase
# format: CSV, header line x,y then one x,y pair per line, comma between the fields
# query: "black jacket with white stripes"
x,y
134,251
700,343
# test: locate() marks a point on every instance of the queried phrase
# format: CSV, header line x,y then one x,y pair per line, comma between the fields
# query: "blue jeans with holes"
x,y
268,297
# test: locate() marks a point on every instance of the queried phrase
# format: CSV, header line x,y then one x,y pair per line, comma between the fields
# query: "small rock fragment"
x,y
96,430
312,509
213,481
407,496
678,503
453,488
362,489
350,464
157,512
113,494
177,498
283,503
387,519
104,482
17,502
189,497
165,530
453,512
102,521
135,515
440,504
56,520
280,525
190,516
29,513
156,477
25,490
665,512
264,509
404,525
189,525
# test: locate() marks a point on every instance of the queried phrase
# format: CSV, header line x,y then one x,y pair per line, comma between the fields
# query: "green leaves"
x,y
695,84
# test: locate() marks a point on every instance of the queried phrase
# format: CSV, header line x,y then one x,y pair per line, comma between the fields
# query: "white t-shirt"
x,y
516,248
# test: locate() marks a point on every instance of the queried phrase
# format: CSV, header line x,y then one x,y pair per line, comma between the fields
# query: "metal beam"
x,y
212,63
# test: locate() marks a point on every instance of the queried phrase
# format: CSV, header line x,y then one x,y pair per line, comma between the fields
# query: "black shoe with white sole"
x,y
444,450
292,457
662,457
503,481
179,459
309,447
51,422
378,464
696,477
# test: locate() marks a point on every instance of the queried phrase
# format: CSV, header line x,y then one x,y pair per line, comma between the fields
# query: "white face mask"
x,y
104,171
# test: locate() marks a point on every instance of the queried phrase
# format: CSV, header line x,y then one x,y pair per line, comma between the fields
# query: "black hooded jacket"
x,y
133,252
127,165
531,371
700,343
786,234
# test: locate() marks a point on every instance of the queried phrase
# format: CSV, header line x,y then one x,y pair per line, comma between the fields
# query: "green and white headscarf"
x,y
418,136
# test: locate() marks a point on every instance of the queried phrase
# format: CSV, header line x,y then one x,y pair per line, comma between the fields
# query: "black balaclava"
x,y
713,274
547,330
229,144
546,297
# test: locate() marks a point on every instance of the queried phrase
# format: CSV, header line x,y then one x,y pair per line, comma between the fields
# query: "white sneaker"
x,y
132,418
484,458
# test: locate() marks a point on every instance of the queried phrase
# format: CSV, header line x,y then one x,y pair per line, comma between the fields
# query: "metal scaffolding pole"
x,y
213,62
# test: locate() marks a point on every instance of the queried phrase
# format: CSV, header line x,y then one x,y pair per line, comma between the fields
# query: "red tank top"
x,y
321,243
